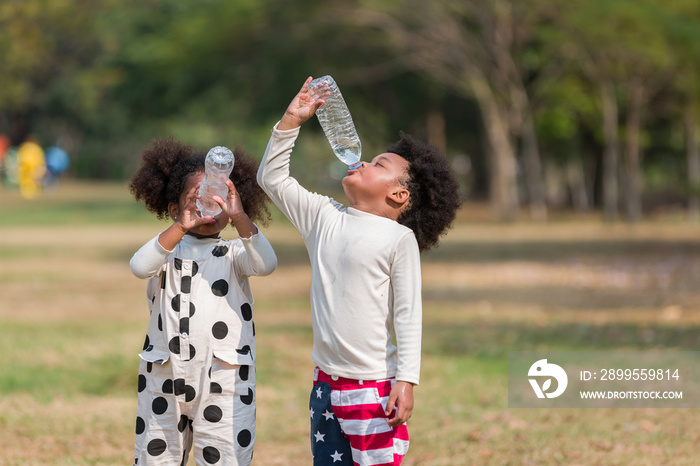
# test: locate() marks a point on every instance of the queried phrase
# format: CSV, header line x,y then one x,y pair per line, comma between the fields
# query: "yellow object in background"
x,y
31,167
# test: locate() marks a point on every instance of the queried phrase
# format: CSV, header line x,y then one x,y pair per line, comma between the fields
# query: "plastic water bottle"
x,y
336,122
217,169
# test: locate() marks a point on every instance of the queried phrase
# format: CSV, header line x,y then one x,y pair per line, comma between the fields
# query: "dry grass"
x,y
72,319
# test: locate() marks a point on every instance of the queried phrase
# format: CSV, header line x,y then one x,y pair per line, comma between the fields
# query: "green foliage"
x,y
104,77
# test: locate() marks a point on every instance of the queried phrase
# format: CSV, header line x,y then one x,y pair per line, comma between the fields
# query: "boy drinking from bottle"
x,y
366,285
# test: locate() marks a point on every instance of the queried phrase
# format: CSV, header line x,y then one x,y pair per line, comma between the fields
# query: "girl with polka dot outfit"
x,y
196,383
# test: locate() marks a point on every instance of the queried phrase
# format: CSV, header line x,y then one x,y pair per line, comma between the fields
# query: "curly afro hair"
x,y
434,191
167,164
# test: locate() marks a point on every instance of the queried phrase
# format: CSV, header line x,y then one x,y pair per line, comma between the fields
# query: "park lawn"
x,y
73,318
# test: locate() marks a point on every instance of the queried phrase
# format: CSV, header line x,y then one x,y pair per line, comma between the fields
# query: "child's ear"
x,y
400,196
173,210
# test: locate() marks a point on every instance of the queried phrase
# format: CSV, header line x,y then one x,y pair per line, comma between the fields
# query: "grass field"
x,y
72,320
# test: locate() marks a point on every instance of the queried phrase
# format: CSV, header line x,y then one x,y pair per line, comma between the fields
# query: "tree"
x,y
474,49
622,48
682,29
48,50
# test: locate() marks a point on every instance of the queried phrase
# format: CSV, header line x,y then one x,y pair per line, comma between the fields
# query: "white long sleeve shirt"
x,y
366,282
255,256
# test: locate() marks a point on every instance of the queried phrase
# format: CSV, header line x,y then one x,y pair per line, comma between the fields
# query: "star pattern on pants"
x,y
319,393
337,456
319,436
328,415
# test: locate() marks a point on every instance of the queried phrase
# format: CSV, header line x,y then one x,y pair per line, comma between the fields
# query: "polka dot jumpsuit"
x,y
197,377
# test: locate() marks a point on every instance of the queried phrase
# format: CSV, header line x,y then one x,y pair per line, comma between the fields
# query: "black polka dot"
x,y
220,288
244,350
213,413
244,438
168,386
243,372
140,425
219,330
211,455
192,352
157,447
146,343
178,264
195,268
185,325
253,328
179,386
219,251
215,388
175,303
160,405
160,322
174,345
182,425
190,393
246,312
185,284
162,280
248,399
142,382
149,367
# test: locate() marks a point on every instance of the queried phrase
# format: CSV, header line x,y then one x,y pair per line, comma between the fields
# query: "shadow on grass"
x,y
554,251
490,339
550,297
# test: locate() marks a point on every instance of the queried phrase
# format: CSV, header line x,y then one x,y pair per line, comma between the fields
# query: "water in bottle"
x,y
217,169
337,124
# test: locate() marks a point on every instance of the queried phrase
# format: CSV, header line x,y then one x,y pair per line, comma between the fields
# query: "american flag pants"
x,y
349,426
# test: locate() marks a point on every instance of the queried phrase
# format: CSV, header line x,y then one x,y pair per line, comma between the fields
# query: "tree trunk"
x,y
435,123
693,154
633,178
503,183
576,179
610,152
533,170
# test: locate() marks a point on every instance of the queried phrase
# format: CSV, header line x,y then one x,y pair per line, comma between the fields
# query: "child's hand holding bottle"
x,y
303,106
233,208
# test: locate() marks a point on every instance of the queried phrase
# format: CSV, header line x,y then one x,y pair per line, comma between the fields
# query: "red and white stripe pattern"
x,y
360,408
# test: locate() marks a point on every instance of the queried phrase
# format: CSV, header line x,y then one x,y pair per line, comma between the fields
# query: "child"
x,y
197,376
365,286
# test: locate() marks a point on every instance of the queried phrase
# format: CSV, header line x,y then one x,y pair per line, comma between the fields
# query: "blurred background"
x,y
572,126
544,104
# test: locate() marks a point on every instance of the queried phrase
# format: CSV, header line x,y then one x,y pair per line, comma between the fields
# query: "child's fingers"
x,y
231,187
390,405
320,93
192,194
305,86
